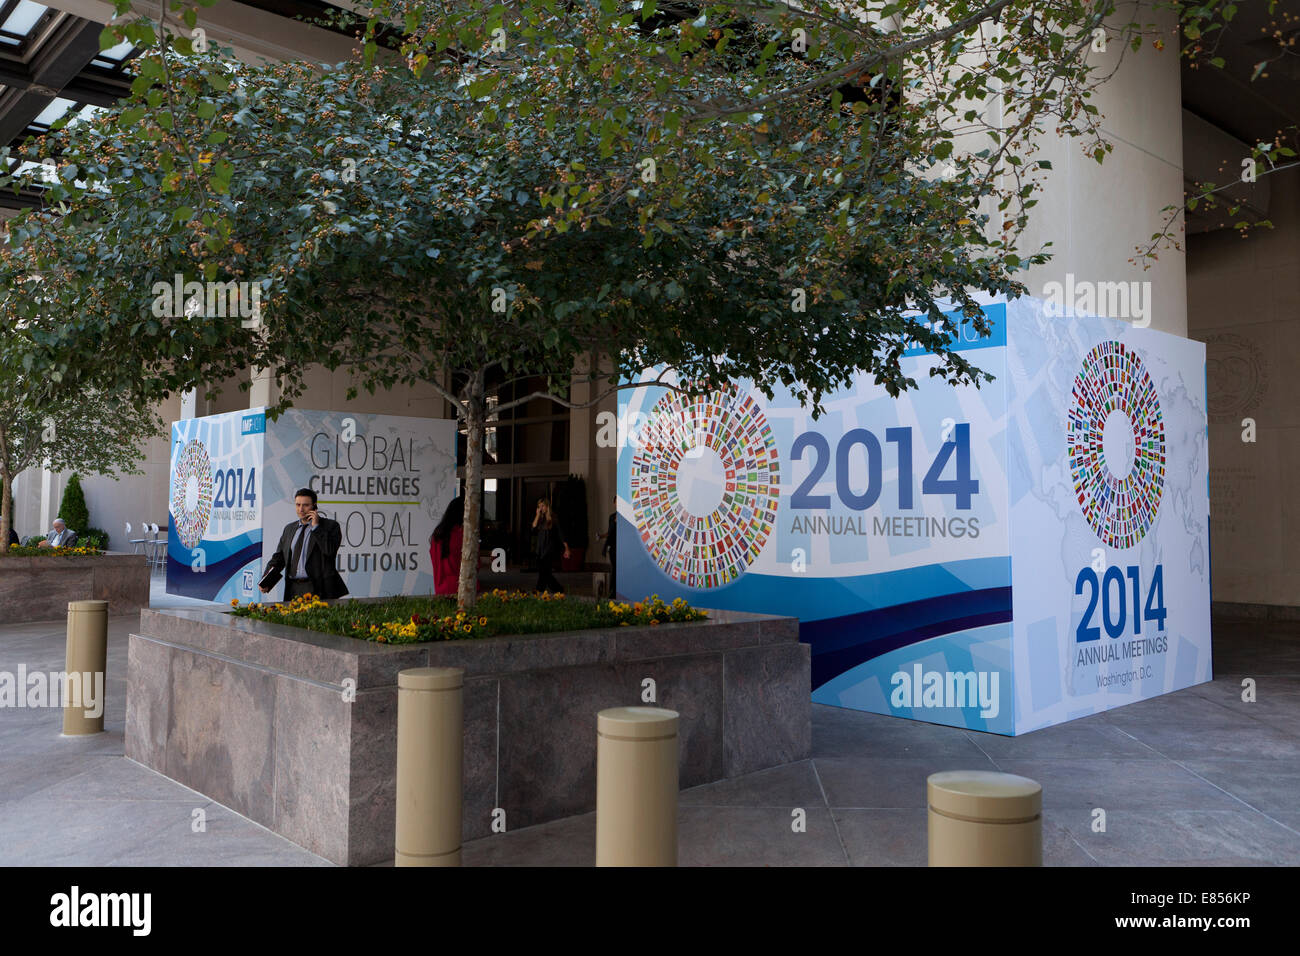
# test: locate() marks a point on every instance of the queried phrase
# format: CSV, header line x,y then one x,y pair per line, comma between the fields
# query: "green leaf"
x,y
483,86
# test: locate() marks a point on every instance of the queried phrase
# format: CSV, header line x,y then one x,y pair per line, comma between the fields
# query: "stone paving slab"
x,y
1198,777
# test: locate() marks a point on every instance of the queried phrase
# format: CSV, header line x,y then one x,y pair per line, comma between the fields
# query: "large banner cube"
x,y
386,479
1001,558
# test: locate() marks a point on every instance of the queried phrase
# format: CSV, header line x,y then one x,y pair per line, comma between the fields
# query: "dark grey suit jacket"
x,y
322,546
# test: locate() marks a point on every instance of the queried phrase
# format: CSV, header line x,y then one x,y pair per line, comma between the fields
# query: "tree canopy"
x,y
381,222
696,186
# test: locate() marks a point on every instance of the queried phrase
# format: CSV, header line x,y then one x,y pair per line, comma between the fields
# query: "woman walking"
x,y
550,546
445,547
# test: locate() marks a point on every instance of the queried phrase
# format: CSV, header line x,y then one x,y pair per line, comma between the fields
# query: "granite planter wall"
x,y
255,716
39,588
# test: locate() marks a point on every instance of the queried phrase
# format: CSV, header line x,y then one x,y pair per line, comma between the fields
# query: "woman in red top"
x,y
445,547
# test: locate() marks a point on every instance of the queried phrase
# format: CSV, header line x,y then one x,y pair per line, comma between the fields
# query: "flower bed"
x,y
407,620
23,551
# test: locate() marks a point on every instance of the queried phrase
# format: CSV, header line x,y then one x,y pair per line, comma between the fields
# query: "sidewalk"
x,y
1195,777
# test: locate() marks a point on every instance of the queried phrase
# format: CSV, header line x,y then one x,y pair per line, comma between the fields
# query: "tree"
x,y
74,428
731,190
386,223
72,507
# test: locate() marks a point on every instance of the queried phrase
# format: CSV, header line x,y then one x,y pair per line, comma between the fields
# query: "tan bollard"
x,y
430,748
984,818
86,657
636,787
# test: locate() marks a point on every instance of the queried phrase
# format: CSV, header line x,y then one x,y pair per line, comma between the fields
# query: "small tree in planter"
x,y
72,507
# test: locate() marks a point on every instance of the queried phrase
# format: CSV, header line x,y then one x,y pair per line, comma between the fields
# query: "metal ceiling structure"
x,y
51,66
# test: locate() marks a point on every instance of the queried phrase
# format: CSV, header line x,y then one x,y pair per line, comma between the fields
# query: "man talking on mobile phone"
x,y
306,553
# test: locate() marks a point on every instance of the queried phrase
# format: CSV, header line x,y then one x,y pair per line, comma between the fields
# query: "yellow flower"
x,y
234,602
468,628
482,621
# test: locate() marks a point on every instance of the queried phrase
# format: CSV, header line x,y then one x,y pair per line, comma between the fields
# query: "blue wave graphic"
x,y
182,579
808,598
224,559
842,643
846,620
216,551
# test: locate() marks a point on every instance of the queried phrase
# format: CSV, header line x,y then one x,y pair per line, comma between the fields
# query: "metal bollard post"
x,y
430,749
636,787
983,818
86,657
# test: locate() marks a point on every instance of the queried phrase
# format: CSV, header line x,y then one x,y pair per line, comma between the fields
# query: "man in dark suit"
x,y
306,553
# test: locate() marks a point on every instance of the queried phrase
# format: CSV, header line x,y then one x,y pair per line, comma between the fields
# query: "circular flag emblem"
x,y
705,483
1116,444
192,493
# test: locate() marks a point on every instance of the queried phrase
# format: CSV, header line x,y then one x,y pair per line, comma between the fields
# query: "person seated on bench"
x,y
60,537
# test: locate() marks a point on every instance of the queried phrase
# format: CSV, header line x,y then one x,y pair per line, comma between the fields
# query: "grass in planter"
x,y
412,620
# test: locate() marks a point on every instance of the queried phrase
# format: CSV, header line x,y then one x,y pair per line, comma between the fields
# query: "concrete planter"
x,y
254,715
39,589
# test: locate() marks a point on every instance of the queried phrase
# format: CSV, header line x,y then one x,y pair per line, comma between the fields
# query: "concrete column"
x,y
983,818
636,787
87,663
430,749
265,389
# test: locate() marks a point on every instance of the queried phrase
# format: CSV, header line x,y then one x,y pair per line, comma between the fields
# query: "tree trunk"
x,y
6,494
476,426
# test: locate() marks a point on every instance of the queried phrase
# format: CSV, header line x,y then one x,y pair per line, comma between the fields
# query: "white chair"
x,y
157,550
139,543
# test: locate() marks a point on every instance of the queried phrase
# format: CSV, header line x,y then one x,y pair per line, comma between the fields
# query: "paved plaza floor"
x,y
1197,777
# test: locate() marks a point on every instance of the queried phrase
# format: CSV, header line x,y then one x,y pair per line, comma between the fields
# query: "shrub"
x,y
72,509
97,537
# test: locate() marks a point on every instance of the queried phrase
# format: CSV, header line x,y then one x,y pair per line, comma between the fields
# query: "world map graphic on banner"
x,y
705,485
1114,398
